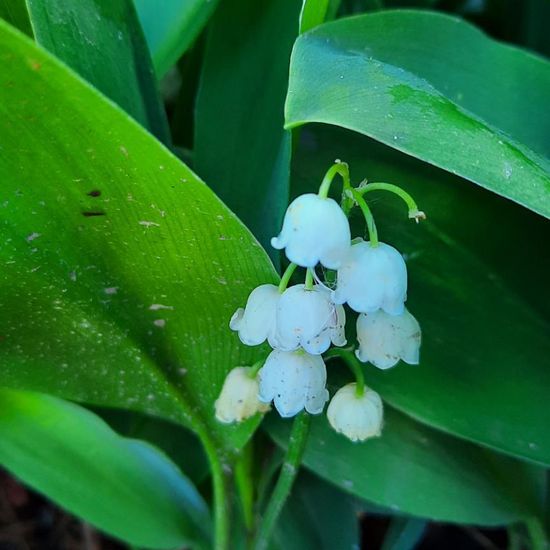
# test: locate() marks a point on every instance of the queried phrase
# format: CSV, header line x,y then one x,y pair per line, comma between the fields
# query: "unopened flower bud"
x,y
238,399
315,229
384,339
358,417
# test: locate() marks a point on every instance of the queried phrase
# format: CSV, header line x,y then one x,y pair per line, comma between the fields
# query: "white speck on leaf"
x,y
33,236
507,170
148,224
156,307
111,290
161,323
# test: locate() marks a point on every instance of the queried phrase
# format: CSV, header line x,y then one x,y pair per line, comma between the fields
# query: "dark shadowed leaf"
x,y
318,515
414,469
478,271
103,42
16,14
241,149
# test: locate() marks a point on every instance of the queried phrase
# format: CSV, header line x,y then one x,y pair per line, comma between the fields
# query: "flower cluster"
x,y
302,321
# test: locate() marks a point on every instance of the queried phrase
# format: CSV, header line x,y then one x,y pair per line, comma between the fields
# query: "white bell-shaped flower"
x,y
309,319
315,229
358,417
371,278
257,322
384,339
238,399
294,380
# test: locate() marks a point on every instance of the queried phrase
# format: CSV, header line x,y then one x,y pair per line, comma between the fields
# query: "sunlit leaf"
x,y
123,486
121,268
436,88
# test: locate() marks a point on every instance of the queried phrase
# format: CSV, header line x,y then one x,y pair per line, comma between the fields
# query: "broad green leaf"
x,y
123,486
179,443
313,13
103,42
416,470
121,269
241,149
478,284
16,14
436,88
317,515
404,533
172,26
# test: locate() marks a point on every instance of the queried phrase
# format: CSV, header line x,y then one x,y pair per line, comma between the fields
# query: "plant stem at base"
x,y
220,482
289,469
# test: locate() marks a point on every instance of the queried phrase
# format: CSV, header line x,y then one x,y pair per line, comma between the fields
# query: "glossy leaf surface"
x,y
121,268
436,88
123,486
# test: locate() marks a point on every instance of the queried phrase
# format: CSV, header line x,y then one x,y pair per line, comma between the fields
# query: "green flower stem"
x,y
337,168
245,485
309,279
222,509
286,277
255,368
414,212
371,227
353,364
536,533
515,541
289,469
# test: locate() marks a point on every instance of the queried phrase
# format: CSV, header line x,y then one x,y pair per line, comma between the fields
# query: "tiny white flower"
x,y
308,319
294,380
256,323
372,278
315,229
356,417
238,399
384,339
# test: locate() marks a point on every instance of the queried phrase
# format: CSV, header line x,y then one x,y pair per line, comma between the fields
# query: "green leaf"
x,y
123,486
317,515
314,12
415,470
121,269
241,149
16,14
103,42
436,88
404,533
180,444
172,28
478,284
